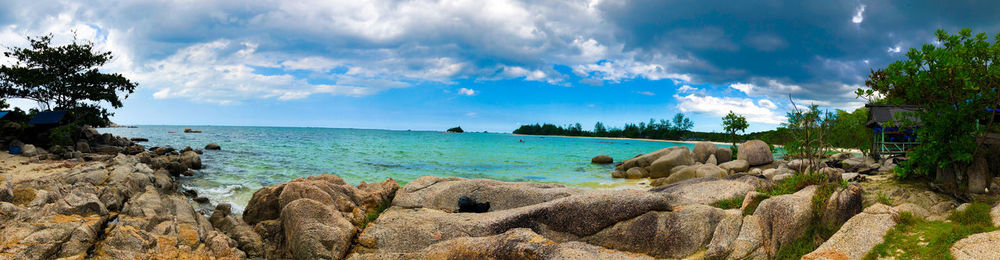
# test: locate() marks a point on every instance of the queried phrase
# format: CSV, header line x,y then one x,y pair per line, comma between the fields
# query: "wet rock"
x,y
602,159
201,200
636,173
191,160
139,139
213,147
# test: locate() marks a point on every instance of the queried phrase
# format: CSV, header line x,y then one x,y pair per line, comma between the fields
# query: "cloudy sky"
x,y
485,64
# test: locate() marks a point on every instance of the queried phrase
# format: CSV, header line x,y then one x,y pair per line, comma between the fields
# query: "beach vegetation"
x,y
733,123
809,127
956,85
916,238
64,77
730,203
676,129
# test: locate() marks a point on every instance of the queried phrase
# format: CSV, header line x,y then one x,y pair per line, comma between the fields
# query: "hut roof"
x,y
878,115
47,118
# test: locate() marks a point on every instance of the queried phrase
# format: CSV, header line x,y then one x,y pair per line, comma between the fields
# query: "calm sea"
x,y
254,157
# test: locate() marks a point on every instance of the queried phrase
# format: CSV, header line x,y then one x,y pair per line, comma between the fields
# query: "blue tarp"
x,y
3,114
47,118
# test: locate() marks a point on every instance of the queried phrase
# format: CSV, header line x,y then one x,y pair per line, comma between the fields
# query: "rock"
x,y
914,209
843,204
313,230
139,139
108,150
709,190
644,160
636,173
710,170
711,160
977,246
849,176
662,166
133,149
723,154
702,150
995,214
602,159
190,131
201,200
858,235
29,150
518,243
669,234
618,174
798,165
781,177
679,173
725,233
353,202
190,160
441,193
89,132
755,152
755,171
735,166
83,146
212,147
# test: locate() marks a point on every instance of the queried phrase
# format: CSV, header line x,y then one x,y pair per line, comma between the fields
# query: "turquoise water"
x,y
255,157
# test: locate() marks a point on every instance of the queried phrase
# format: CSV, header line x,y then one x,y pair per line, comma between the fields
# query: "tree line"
x,y
677,128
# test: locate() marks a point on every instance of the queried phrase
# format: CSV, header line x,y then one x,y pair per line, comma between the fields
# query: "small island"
x,y
457,129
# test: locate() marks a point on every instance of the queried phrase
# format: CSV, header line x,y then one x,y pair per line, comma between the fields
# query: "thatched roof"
x,y
878,115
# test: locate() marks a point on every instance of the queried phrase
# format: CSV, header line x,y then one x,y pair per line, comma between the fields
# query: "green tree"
x,y
733,123
64,77
953,83
848,130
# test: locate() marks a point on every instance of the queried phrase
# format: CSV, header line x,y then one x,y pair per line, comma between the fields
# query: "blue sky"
x,y
488,64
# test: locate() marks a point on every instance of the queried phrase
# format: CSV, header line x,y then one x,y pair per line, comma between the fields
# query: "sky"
x,y
488,65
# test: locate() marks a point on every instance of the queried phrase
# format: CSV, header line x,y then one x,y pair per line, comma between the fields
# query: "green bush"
x,y
731,203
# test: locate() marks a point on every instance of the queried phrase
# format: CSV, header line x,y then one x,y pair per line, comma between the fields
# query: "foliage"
x,y
884,199
64,135
63,77
730,203
661,129
733,123
457,129
809,130
915,238
847,130
953,83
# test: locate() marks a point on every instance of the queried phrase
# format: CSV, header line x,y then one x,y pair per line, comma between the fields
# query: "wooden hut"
x,y
893,129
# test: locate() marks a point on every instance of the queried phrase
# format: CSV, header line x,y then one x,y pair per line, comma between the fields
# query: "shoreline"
x,y
634,139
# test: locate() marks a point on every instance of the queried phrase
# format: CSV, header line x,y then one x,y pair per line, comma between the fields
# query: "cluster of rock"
x,y
176,162
90,141
118,208
190,131
678,163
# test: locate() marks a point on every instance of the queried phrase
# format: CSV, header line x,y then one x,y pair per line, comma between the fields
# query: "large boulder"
x,y
518,243
786,217
710,170
213,147
843,204
735,166
233,226
755,152
702,150
602,159
645,160
723,154
977,246
709,190
662,166
313,230
636,173
190,160
858,235
29,150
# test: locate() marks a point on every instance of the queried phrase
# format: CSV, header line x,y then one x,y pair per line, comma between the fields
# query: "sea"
x,y
256,157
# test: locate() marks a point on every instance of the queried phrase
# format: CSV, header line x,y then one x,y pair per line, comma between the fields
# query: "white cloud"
x,y
646,93
744,87
467,92
471,114
686,89
761,112
766,104
859,16
895,49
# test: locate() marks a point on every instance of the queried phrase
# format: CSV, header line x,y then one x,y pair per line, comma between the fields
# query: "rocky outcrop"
x,y
116,209
662,166
518,243
702,150
314,217
755,152
977,246
735,166
213,147
723,155
859,235
709,190
602,159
